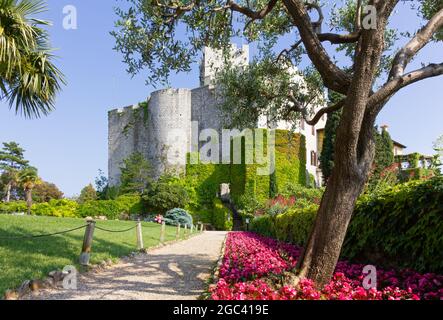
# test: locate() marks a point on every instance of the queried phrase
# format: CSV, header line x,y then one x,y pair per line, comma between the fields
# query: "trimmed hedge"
x,y
403,225
400,227
293,226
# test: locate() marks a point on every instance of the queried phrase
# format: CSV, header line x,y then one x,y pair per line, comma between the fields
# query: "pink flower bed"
x,y
249,258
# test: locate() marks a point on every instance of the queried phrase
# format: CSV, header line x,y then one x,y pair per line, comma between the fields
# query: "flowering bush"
x,y
159,219
251,260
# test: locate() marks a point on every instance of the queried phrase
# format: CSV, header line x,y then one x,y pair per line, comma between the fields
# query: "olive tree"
x,y
164,36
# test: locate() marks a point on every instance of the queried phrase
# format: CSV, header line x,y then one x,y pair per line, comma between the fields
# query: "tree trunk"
x,y
347,181
29,200
8,192
322,252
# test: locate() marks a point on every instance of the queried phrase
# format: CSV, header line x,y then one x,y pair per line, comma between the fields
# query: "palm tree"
x,y
28,180
11,176
29,81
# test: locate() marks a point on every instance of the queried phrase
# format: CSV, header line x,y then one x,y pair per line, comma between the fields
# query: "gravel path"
x,y
174,272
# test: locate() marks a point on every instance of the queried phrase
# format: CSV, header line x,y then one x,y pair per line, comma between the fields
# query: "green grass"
x,y
33,258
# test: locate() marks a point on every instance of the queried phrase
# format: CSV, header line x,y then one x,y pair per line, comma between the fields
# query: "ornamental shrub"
x,y
163,196
63,208
112,209
13,207
178,216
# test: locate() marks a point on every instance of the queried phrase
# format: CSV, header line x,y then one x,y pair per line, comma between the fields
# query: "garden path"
x,y
173,272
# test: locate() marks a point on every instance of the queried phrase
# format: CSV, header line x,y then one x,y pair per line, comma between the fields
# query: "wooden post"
x,y
186,231
87,244
177,234
201,228
162,233
192,229
140,244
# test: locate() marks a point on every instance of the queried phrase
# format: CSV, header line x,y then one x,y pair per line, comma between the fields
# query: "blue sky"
x,y
70,145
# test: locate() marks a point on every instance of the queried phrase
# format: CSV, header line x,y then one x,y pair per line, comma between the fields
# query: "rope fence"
x,y
42,235
89,235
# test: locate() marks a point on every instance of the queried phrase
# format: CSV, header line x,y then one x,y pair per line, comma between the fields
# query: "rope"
x,y
115,231
42,235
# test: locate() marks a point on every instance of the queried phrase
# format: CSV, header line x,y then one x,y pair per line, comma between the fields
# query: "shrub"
x,y
312,195
293,226
112,209
178,216
56,208
221,217
13,207
163,196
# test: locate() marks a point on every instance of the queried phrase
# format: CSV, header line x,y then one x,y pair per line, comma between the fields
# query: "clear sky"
x,y
70,145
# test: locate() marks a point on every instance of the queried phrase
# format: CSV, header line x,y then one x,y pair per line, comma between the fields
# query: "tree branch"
x,y
333,77
405,55
254,15
334,38
312,122
432,70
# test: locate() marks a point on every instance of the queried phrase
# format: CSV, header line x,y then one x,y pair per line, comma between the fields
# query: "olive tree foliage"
x,y
166,36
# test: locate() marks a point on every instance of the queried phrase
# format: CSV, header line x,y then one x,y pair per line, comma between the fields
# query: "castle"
x,y
167,125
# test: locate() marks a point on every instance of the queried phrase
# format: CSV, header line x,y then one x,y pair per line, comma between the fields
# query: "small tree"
x,y
11,162
45,191
135,174
384,151
327,154
28,180
88,193
165,194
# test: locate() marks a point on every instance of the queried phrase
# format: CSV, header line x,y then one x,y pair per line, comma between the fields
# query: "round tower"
x,y
169,130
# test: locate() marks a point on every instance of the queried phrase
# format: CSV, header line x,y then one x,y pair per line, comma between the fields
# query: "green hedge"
x,y
293,226
221,217
401,227
63,208
13,207
112,209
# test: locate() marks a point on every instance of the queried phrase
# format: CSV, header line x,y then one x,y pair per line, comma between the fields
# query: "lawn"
x,y
24,259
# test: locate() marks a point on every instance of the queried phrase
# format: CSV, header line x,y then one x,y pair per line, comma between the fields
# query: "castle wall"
x,y
169,130
122,140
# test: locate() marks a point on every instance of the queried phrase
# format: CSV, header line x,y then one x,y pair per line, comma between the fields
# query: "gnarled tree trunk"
x,y
322,252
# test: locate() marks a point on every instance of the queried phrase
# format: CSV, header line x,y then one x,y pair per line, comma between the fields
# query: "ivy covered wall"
x,y
290,167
